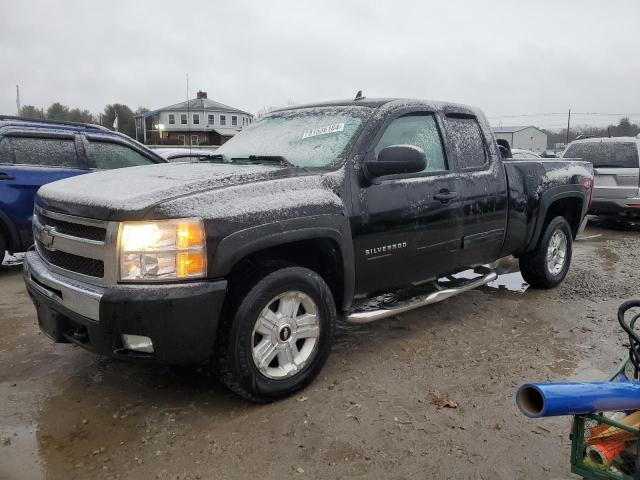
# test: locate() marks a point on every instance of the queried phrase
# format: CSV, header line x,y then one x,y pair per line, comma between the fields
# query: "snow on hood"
x,y
139,188
262,202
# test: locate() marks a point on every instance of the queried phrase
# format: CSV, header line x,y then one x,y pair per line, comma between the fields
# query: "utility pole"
x,y
18,99
568,126
188,116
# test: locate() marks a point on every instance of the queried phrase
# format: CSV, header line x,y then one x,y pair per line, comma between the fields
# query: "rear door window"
x,y
605,154
5,152
108,155
37,151
466,142
419,131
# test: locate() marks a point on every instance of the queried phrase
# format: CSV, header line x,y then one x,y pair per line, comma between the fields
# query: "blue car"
x,y
35,152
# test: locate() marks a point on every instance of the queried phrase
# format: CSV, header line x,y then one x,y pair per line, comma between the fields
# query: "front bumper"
x,y
615,206
180,319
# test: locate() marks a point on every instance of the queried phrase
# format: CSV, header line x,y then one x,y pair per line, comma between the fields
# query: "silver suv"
x,y
616,173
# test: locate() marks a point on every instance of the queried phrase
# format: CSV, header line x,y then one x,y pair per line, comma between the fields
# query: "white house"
x,y
199,121
525,138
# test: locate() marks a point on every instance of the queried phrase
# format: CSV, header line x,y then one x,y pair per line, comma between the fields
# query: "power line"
x,y
565,113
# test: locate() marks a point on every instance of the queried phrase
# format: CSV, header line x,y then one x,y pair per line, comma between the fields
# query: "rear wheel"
x,y
280,335
548,264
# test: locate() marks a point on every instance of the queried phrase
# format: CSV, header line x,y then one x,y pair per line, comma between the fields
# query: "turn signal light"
x,y
191,264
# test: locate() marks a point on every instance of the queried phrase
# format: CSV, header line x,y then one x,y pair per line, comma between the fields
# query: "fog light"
x,y
137,343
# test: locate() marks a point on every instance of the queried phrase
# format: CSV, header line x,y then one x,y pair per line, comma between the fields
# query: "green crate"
x,y
582,425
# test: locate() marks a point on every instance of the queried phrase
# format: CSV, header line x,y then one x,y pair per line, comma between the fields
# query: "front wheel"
x,y
548,264
3,247
280,335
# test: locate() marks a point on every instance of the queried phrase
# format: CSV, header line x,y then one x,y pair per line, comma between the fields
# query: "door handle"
x,y
445,196
5,176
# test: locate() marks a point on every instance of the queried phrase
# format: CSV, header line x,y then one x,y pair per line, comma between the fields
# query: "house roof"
x,y
197,105
512,129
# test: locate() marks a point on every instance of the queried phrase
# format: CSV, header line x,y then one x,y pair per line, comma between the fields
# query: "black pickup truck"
x,y
246,261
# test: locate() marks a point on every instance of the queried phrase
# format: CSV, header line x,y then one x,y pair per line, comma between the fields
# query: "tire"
x,y
541,272
3,247
261,324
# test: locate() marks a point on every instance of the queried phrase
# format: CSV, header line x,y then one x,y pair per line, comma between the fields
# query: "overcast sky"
x,y
507,57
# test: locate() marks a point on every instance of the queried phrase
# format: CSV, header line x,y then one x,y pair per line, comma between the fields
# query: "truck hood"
x,y
129,193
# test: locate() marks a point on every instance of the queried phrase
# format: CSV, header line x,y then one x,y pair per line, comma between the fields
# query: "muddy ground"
x,y
66,414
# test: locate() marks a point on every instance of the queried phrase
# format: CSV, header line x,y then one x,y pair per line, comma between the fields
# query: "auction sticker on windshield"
x,y
314,132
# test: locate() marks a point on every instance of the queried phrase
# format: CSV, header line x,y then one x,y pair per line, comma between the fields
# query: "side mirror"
x,y
504,147
397,159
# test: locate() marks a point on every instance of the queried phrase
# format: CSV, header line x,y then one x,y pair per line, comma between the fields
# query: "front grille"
x,y
74,229
73,263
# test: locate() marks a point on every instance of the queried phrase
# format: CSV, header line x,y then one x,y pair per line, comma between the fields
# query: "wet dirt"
x,y
66,414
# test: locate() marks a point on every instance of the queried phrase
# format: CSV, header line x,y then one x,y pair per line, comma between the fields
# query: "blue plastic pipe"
x,y
551,399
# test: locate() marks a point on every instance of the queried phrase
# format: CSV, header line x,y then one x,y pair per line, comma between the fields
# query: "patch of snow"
x,y
13,260
140,187
565,173
276,200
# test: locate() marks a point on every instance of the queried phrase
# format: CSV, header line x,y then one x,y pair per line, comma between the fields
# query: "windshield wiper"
x,y
197,157
213,157
279,159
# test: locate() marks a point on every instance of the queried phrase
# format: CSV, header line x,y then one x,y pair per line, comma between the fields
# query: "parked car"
x,y
617,173
518,154
35,152
309,213
548,153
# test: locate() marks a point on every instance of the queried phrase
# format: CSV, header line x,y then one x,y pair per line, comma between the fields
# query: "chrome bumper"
x,y
79,297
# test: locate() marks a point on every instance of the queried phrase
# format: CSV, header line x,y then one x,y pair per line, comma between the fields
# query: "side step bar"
x,y
420,301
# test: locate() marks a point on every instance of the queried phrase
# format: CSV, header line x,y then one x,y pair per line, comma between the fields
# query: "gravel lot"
x,y
373,413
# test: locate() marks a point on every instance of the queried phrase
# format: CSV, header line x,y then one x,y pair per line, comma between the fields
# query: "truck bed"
x,y
532,186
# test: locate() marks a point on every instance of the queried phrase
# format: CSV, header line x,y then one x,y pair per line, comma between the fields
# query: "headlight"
x,y
162,250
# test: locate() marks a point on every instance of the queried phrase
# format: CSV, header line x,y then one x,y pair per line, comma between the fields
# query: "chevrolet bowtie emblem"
x,y
46,237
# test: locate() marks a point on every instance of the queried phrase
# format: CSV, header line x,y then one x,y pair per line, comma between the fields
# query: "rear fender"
x,y
546,201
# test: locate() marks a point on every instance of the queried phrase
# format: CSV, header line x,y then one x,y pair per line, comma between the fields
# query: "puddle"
x,y
510,281
509,277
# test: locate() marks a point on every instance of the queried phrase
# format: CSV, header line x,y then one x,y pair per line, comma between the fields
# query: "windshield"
x,y
605,154
310,137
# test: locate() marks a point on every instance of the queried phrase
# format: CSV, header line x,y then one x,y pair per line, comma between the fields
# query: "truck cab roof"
x,y
22,122
391,104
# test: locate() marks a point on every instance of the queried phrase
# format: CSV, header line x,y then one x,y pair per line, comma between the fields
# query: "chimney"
x,y
201,94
